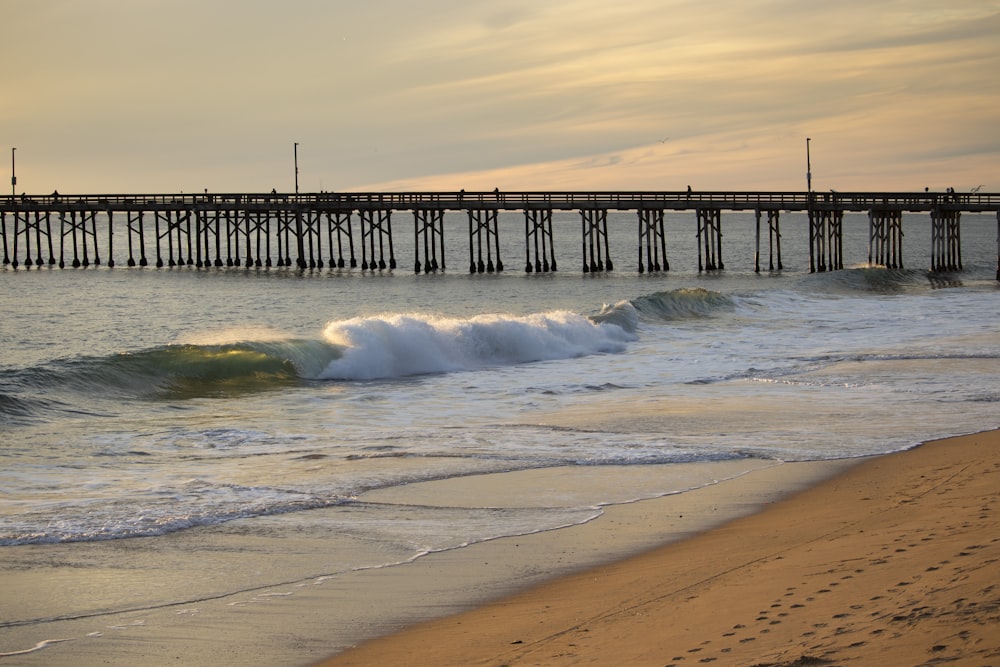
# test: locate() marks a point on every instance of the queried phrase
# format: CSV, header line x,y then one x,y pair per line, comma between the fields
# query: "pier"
x,y
353,230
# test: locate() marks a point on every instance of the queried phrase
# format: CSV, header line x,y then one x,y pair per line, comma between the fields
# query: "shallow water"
x,y
141,402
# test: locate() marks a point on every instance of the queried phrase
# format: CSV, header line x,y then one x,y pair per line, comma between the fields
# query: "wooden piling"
x,y
428,228
946,240
885,238
339,223
596,251
653,240
773,240
826,239
3,231
376,224
538,229
709,239
484,232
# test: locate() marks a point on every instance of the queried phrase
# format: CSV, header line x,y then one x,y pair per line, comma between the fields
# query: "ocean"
x,y
140,404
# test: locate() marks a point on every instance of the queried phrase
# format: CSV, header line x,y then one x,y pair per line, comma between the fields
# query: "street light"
x,y
296,168
809,175
13,176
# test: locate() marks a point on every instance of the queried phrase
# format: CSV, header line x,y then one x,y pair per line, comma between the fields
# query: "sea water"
x,y
148,402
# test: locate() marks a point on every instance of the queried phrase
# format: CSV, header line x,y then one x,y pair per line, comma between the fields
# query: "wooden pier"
x,y
352,229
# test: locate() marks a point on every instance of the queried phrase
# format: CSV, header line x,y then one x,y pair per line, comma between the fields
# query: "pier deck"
x,y
196,229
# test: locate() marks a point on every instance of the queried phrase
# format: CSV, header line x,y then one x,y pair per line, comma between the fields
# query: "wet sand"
x,y
894,562
888,561
280,590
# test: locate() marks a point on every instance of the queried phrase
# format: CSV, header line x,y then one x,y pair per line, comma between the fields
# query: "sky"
x,y
129,96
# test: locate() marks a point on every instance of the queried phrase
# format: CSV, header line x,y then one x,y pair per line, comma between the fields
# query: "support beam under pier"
x,y
773,241
79,233
653,239
340,222
885,239
428,226
310,248
3,231
710,239
826,240
174,223
596,253
538,228
376,223
23,228
946,240
484,232
136,236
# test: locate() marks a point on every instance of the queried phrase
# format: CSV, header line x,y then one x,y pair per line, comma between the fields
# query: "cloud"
x,y
390,92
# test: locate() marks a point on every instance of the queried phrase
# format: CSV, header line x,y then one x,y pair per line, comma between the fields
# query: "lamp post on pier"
x,y
13,176
809,175
296,169
813,235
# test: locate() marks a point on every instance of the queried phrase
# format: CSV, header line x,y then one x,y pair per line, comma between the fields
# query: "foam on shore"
x,y
268,591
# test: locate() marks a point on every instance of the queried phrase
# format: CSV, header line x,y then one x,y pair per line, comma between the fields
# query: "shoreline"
x,y
892,561
269,591
413,609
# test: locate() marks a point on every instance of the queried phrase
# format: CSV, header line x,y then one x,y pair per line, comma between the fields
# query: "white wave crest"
x,y
398,345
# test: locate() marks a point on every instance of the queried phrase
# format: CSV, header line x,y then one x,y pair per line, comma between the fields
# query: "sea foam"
x,y
399,345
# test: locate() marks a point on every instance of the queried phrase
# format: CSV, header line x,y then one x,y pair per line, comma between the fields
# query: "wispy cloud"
x,y
569,93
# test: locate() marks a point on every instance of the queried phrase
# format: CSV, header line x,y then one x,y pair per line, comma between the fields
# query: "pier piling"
x,y
773,240
339,223
946,240
376,224
538,229
653,240
826,239
428,226
484,232
885,238
596,253
710,239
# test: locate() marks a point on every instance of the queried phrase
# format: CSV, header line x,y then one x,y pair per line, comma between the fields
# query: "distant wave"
x,y
876,279
682,304
399,345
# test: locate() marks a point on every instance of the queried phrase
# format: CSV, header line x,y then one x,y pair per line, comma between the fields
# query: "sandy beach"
x,y
894,562
890,560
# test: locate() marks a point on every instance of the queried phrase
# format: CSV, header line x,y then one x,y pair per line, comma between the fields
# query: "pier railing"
x,y
225,229
519,200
